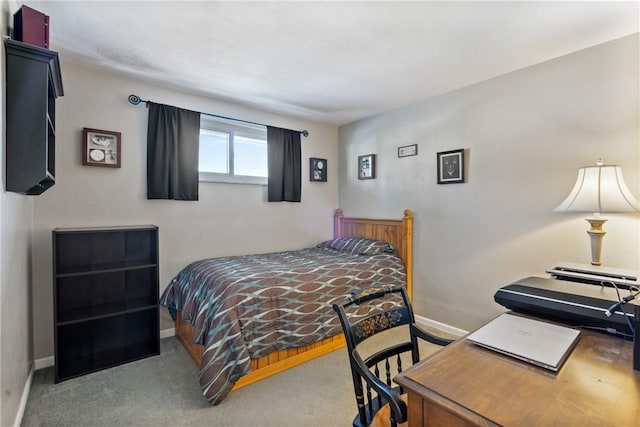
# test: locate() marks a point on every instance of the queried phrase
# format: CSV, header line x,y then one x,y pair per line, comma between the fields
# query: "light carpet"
x,y
164,391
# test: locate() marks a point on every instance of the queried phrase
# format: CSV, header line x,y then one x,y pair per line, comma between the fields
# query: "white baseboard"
x,y
24,398
442,326
166,333
45,362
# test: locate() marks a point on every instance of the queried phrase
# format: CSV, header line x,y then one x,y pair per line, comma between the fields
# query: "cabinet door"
x,y
27,132
33,81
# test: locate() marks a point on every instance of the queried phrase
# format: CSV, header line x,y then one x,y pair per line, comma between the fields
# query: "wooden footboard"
x,y
397,232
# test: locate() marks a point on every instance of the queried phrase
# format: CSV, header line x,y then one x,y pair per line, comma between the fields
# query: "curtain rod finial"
x,y
134,99
305,133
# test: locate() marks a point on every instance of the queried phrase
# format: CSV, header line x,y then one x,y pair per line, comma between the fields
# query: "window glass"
x,y
249,156
214,151
232,152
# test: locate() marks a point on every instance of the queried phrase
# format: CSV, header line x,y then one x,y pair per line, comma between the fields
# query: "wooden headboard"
x,y
398,232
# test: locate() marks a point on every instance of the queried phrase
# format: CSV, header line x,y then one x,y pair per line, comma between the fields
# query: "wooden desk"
x,y
466,385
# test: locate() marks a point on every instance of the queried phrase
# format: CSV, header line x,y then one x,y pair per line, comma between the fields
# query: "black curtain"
x,y
285,165
173,136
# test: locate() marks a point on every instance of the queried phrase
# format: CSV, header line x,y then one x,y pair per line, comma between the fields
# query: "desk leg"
x,y
414,411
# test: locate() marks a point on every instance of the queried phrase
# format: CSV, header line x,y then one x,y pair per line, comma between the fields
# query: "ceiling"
x,y
335,61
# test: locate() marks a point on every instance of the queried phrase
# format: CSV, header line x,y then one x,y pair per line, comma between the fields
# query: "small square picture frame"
x,y
101,148
451,167
317,169
367,166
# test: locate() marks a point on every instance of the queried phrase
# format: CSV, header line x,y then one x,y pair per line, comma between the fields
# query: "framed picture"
x,y
100,148
408,150
451,167
317,169
367,166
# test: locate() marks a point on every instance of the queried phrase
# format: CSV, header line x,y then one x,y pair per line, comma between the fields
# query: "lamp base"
x,y
596,234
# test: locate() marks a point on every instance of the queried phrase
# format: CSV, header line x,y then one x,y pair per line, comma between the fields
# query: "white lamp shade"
x,y
600,188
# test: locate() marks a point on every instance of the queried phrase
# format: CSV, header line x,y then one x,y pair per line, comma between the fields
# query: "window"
x,y
232,153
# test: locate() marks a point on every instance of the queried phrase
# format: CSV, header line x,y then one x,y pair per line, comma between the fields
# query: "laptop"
x,y
533,341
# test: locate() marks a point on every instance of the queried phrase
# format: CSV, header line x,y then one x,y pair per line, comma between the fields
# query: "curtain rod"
x,y
135,100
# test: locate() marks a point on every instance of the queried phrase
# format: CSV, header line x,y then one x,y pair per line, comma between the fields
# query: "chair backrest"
x,y
363,316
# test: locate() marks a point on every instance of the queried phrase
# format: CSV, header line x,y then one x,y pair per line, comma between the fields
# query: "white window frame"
x,y
233,129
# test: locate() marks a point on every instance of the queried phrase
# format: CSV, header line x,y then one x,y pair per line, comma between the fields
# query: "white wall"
x,y
16,339
526,134
228,219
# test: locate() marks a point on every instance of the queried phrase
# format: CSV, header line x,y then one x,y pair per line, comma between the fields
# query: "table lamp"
x,y
599,189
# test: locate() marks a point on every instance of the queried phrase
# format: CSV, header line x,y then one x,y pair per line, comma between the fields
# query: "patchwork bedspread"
x,y
245,307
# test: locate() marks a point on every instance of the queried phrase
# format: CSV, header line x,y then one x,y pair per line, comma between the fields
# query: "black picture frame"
x,y
317,169
451,167
408,150
367,166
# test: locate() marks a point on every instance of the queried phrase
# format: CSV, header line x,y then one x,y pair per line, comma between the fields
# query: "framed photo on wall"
x,y
367,166
317,169
451,167
101,148
408,150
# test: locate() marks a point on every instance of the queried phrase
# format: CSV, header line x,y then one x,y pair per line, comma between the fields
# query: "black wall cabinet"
x,y
33,82
105,297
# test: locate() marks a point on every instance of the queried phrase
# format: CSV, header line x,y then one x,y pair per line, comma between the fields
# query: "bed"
x,y
286,294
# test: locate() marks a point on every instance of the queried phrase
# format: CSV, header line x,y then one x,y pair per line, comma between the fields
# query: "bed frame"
x,y
398,232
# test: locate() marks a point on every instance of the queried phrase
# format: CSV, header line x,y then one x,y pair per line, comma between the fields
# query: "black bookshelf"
x,y
105,297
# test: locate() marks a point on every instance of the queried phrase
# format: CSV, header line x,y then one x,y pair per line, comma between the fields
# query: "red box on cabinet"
x,y
31,26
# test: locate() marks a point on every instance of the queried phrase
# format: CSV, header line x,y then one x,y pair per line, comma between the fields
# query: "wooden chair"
x,y
379,401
